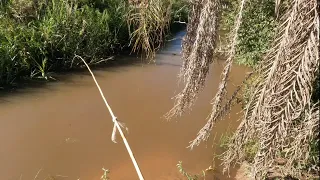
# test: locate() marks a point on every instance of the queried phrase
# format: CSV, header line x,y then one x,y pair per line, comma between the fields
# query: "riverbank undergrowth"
x,y
44,36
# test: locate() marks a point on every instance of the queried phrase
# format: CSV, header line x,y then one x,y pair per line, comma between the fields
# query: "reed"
x,y
148,21
54,31
41,37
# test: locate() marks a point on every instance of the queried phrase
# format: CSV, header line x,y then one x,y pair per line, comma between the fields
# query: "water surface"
x,y
64,129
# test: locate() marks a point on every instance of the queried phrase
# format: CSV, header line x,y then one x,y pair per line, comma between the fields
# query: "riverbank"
x,y
40,38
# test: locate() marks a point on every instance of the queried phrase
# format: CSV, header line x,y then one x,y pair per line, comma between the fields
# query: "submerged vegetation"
x,y
105,174
189,176
44,36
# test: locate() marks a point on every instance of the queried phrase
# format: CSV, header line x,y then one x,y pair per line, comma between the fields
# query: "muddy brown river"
x,y
63,130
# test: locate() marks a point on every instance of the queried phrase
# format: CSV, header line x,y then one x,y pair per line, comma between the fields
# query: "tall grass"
x,y
39,37
54,32
150,21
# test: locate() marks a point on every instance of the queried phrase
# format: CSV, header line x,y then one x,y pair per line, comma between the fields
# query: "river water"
x,y
63,129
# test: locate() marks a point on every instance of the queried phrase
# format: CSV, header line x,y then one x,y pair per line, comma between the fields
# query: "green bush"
x,y
17,49
68,29
50,40
256,30
180,10
37,37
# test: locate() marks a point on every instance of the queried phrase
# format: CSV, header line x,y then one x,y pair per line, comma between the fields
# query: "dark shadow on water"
x,y
116,65
29,86
24,86
167,64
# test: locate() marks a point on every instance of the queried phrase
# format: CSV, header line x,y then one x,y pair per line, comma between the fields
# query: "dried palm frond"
x,y
150,20
198,48
280,115
217,101
277,6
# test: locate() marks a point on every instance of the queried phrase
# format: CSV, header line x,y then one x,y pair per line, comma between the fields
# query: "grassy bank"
x,y
41,37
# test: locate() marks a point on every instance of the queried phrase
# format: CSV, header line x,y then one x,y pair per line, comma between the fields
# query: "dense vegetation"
x,y
38,37
256,30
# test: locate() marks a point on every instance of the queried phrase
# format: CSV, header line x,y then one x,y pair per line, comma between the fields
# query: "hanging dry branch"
x,y
217,101
281,106
198,49
280,119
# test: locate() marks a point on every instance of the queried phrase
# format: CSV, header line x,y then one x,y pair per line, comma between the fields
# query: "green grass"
x,y
256,30
37,39
50,40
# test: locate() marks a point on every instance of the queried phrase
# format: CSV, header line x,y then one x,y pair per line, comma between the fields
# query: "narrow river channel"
x,y
63,128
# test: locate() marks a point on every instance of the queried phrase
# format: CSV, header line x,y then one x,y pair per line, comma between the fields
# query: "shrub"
x,y
45,35
256,30
56,32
